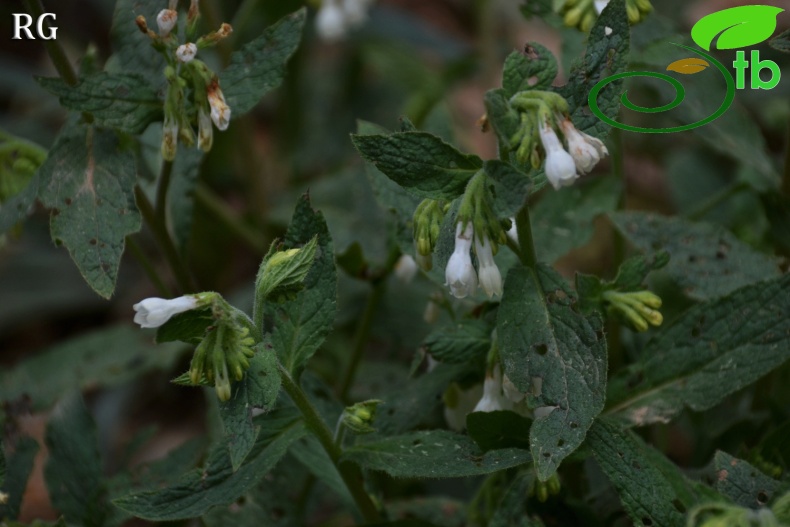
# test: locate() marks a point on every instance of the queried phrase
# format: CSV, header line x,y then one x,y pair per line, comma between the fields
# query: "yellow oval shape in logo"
x,y
688,66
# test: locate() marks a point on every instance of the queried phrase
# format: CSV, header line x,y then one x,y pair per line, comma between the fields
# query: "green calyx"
x,y
359,417
222,355
427,221
536,108
476,208
639,309
282,273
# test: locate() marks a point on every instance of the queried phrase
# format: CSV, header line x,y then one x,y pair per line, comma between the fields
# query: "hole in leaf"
x,y
679,506
541,349
560,443
692,258
416,442
547,454
68,201
574,425
647,521
762,497
636,465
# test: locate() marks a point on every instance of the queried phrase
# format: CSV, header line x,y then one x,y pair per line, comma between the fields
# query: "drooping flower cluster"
x,y
184,71
583,13
477,226
336,17
543,114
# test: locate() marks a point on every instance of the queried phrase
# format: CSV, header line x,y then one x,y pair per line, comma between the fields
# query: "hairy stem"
x,y
54,49
165,242
526,245
145,263
360,339
351,475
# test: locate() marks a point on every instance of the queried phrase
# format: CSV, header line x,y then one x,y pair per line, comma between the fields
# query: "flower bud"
x,y
166,20
205,130
186,52
220,111
360,416
154,312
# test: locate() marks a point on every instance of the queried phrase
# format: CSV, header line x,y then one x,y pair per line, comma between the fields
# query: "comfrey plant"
x,y
527,380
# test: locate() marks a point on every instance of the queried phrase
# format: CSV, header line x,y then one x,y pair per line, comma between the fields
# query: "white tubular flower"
x,y
585,150
220,111
166,20
186,52
462,404
511,392
331,22
493,399
488,273
460,273
600,4
513,232
205,130
406,268
153,312
560,166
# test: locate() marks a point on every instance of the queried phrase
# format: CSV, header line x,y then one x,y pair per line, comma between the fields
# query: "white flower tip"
x,y
186,52
166,20
460,273
406,268
488,274
220,111
331,21
600,4
154,312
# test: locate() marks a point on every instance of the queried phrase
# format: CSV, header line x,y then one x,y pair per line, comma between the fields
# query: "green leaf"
x,y
314,458
259,66
109,357
258,389
606,55
501,116
737,27
19,456
564,220
459,343
124,101
73,471
706,260
512,510
651,488
133,50
88,181
440,511
713,350
509,187
217,483
408,404
534,69
742,483
502,429
554,354
781,41
19,206
181,195
420,162
303,323
432,454
189,326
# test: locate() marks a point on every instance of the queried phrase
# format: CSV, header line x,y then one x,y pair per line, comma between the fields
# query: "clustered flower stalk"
x,y
477,226
639,309
543,114
224,352
184,71
582,14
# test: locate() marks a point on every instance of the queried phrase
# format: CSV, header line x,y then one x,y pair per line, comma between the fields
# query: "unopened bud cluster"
x,y
185,73
224,353
582,14
638,309
359,417
543,115
427,223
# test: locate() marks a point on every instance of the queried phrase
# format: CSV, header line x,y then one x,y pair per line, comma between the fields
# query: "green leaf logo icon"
x,y
739,27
